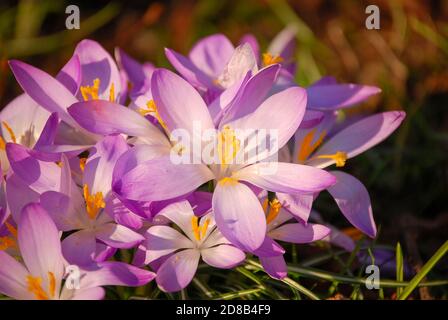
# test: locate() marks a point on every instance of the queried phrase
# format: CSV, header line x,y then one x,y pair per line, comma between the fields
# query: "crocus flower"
x,y
41,275
180,252
237,210
97,78
313,149
90,212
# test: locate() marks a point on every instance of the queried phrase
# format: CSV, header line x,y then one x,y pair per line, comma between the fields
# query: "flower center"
x,y
269,59
94,203
307,146
228,181
35,286
199,231
274,209
151,108
92,91
228,145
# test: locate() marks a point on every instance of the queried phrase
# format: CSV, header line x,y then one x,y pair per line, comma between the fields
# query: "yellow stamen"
x,y
35,287
308,147
204,228
112,93
52,283
82,163
59,164
195,228
91,91
2,143
199,231
274,209
11,133
12,230
151,108
94,203
269,59
339,157
228,145
228,181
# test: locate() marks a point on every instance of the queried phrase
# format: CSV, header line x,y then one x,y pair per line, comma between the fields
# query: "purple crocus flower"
x,y
40,276
179,253
313,149
237,210
93,75
90,212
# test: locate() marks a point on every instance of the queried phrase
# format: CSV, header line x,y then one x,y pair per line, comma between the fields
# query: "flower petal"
x,y
178,271
211,54
275,266
39,243
286,177
300,233
353,199
239,215
359,137
223,256
79,247
13,278
118,236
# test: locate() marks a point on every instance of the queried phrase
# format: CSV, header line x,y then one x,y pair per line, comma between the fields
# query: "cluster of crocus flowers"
x,y
93,162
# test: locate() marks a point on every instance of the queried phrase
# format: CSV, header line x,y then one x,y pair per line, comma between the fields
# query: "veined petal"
x,y
178,271
79,247
275,266
286,177
337,96
70,75
45,90
188,70
108,118
163,240
13,278
118,236
353,199
239,215
161,179
300,233
359,137
40,244
179,105
211,54
223,256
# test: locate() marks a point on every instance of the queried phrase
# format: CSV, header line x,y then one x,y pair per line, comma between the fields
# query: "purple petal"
x,y
223,256
269,248
18,194
179,105
39,175
44,89
300,233
188,70
211,54
96,63
239,215
178,271
39,243
286,177
252,41
79,248
160,179
275,266
118,236
337,96
13,278
111,273
353,199
299,205
89,294
360,136
108,118
70,75
311,119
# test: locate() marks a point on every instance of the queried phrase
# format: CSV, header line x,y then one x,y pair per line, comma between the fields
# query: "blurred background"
x,y
407,58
